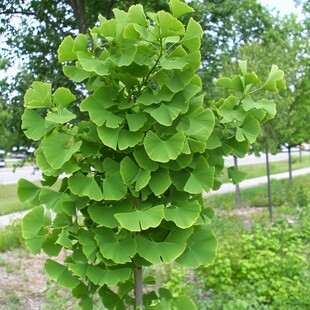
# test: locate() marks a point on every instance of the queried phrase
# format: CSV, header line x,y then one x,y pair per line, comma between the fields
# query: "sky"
x,y
282,6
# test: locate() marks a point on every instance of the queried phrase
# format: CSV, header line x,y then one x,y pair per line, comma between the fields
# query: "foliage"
x,y
264,268
136,170
11,236
28,28
282,194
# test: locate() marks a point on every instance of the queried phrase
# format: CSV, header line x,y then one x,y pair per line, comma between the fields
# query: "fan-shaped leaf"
x,y
58,148
34,228
179,8
141,219
113,185
104,214
62,116
33,124
28,191
169,25
201,179
63,97
201,249
39,95
183,214
193,35
160,181
81,185
166,251
163,150
65,50
60,274
119,138
75,73
119,250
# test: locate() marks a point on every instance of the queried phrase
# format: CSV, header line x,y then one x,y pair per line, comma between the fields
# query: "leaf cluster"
x,y
133,174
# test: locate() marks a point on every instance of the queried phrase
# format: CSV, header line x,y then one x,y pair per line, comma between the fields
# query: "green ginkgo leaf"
x,y
166,251
169,25
198,124
201,249
80,43
91,64
165,114
110,277
136,15
119,138
65,50
39,95
132,174
193,35
33,124
179,8
201,178
119,250
28,191
58,148
235,175
234,84
249,130
35,228
142,218
89,245
136,121
81,185
44,165
98,103
160,181
275,79
63,97
62,116
60,274
110,299
183,214
104,214
163,150
75,73
113,187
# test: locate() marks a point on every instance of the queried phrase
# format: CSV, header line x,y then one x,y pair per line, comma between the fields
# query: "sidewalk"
x,y
225,188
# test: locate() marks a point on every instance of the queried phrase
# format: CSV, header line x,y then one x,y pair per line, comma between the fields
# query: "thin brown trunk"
x,y
268,181
138,287
290,167
238,194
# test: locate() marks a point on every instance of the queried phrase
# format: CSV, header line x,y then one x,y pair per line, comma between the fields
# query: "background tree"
x,y
31,32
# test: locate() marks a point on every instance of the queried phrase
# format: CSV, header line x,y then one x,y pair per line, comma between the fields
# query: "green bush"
x,y
265,268
10,236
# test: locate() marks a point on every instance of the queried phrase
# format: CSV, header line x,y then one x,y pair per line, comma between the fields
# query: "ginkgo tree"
x,y
132,175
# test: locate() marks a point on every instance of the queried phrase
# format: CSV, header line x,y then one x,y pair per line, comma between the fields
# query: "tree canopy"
x,y
31,33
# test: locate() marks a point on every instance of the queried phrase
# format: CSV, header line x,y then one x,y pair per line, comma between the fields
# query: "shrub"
x,y
265,267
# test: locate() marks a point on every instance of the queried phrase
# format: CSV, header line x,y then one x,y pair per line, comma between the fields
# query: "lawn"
x,y
260,265
258,170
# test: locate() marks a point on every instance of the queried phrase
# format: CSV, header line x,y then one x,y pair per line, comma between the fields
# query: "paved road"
x,y
229,187
225,188
7,176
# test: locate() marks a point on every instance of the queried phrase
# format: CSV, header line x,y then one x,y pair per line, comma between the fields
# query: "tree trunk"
x,y
79,14
268,182
138,287
300,155
290,166
238,194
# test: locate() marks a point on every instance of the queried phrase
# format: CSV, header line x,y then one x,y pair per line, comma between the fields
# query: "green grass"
x,y
259,170
9,202
282,195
